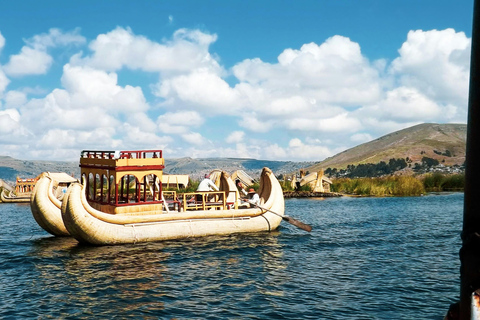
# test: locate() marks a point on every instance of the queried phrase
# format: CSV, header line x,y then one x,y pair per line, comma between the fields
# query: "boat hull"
x,y
91,226
6,198
46,208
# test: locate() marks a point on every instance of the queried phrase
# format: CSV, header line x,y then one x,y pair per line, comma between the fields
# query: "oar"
x,y
290,220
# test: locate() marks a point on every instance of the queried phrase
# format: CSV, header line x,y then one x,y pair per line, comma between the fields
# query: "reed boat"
x,y
120,200
12,197
46,201
22,193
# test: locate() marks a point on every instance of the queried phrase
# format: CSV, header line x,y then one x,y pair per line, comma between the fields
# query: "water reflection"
x,y
187,276
361,253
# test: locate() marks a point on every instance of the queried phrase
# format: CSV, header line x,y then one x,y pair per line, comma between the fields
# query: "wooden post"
x,y
470,251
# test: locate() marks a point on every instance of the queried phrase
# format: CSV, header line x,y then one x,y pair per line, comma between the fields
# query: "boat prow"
x,y
11,197
46,206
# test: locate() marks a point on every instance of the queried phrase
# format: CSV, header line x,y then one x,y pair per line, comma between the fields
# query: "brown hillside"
x,y
415,143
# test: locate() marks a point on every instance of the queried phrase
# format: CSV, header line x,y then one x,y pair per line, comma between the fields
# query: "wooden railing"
x,y
206,200
140,154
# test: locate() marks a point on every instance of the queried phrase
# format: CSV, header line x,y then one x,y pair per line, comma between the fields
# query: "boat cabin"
x,y
130,182
123,181
24,186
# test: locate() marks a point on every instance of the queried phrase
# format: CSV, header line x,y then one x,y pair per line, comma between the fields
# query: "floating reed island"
x,y
310,194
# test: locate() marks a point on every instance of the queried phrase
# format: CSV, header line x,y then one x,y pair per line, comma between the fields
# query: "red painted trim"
x,y
125,168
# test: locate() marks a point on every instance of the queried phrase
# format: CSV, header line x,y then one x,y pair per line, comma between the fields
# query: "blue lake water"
x,y
366,258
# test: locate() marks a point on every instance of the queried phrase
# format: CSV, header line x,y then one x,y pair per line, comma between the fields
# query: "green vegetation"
x,y
368,169
286,185
400,185
441,182
384,186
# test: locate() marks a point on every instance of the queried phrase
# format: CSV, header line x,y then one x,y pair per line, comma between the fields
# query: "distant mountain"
x,y
11,168
443,142
198,167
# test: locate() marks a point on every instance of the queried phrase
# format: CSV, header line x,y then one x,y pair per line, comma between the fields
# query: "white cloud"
x,y
299,150
4,81
339,123
3,78
287,106
90,87
196,139
56,38
251,122
407,104
328,96
33,58
333,72
135,138
15,99
274,151
360,138
92,111
179,122
141,119
202,89
29,61
11,128
58,138
120,48
2,42
436,63
12,115
235,137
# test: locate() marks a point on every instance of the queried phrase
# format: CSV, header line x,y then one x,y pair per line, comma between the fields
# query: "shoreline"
x,y
310,194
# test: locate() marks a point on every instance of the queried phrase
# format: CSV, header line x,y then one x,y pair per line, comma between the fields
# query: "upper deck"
x,y
122,160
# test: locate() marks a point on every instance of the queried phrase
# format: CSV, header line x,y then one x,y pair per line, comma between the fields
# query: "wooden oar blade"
x,y
298,224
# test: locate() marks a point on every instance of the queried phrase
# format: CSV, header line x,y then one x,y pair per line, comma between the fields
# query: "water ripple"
x,y
367,258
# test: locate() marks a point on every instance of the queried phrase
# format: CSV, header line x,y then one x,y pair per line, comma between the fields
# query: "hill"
x,y
197,167
443,142
11,168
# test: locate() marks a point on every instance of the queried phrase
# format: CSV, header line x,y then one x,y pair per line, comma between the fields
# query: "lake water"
x,y
366,258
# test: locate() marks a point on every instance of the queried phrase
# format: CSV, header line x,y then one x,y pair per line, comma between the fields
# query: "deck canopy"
x,y
122,178
24,186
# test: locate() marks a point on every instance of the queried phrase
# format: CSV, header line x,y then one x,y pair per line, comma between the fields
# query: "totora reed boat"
x,y
22,193
12,197
46,201
121,201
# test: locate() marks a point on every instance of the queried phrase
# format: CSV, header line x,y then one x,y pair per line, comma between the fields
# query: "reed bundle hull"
x,y
95,227
11,198
46,207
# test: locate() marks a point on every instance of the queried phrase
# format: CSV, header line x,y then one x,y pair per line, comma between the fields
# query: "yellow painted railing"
x,y
204,200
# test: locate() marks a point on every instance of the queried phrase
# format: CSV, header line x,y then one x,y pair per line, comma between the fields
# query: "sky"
x,y
270,80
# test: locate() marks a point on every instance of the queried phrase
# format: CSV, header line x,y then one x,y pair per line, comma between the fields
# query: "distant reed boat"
x,y
22,193
12,197
121,201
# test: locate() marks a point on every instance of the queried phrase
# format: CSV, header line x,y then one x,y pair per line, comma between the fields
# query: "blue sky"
x,y
276,80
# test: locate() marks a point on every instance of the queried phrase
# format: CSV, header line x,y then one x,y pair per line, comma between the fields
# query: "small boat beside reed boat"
x,y
21,193
12,197
46,201
121,201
